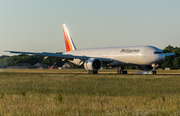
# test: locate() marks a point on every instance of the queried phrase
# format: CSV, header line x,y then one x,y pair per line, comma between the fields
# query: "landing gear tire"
x,y
153,72
95,72
92,72
120,71
124,72
89,71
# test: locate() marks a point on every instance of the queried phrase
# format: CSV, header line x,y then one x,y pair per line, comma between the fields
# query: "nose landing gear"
x,y
154,68
153,72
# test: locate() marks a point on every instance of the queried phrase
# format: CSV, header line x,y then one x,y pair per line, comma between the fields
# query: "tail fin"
x,y
68,40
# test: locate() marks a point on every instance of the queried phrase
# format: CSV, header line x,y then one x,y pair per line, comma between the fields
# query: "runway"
x,y
84,72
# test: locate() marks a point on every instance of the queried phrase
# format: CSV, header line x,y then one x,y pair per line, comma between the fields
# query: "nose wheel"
x,y
153,72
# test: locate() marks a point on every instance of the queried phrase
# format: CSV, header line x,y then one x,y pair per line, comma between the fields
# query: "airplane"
x,y
146,57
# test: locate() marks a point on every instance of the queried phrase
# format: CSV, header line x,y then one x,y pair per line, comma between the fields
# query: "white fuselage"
x,y
121,56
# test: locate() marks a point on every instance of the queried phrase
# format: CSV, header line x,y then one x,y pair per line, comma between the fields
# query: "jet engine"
x,y
146,68
93,64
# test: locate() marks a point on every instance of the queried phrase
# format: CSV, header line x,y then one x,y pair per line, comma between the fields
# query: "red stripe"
x,y
66,42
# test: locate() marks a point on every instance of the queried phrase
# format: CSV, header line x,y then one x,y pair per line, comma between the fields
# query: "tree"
x,y
176,62
168,49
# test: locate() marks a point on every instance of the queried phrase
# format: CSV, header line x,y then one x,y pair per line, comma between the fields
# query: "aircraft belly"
x,y
122,60
131,60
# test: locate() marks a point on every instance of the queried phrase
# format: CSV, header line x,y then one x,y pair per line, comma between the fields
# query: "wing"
x,y
62,56
169,54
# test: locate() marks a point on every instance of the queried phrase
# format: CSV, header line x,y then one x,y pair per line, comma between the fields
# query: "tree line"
x,y
172,62
6,61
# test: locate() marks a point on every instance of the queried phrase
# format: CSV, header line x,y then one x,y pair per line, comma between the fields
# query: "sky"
x,y
36,25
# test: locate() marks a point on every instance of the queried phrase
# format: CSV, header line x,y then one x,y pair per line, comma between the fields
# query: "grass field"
x,y
81,71
45,92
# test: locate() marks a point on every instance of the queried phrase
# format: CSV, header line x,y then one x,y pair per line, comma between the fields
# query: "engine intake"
x,y
93,64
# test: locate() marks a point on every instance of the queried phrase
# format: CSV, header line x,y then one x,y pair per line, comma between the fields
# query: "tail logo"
x,y
68,40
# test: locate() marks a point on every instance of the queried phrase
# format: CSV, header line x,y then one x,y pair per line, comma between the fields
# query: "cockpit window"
x,y
158,52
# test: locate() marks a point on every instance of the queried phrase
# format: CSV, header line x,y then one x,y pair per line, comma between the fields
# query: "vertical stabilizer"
x,y
68,40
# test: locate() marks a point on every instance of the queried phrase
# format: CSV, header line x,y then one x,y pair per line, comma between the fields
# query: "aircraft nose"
x,y
160,58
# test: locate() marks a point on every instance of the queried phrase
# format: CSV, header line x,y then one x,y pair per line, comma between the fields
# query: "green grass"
x,y
82,94
81,71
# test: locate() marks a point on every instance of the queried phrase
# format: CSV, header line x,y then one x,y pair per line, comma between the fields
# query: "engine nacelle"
x,y
146,68
93,64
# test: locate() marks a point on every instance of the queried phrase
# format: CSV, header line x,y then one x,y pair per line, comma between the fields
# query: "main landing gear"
x,y
92,72
120,70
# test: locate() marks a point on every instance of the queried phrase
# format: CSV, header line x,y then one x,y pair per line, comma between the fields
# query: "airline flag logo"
x,y
68,40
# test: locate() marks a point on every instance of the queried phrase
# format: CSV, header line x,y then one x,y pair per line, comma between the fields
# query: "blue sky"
x,y
35,25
